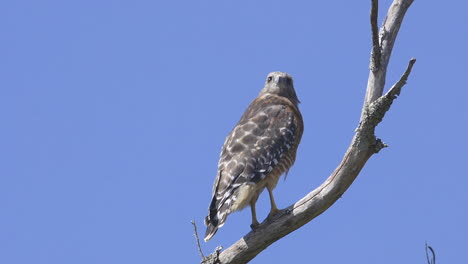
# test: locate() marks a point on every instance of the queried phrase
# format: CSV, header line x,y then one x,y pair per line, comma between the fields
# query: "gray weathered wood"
x,y
363,145
387,37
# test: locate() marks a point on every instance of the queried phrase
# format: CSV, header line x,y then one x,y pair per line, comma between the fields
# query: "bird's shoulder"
x,y
268,106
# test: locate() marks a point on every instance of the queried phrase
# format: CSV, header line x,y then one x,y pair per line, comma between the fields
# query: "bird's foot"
x,y
254,225
273,212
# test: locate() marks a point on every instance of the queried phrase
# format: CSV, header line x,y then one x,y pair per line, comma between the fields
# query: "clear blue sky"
x,y
113,114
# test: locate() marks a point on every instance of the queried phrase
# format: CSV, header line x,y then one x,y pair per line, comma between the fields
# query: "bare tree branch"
x,y
433,259
396,88
363,145
375,55
195,233
388,34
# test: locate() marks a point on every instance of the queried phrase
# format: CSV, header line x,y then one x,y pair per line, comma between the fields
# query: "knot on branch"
x,y
373,115
213,258
379,144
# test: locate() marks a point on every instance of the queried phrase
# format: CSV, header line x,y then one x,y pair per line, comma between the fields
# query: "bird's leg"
x,y
274,209
255,222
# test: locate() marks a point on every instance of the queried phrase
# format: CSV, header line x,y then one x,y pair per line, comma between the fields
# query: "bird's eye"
x,y
270,78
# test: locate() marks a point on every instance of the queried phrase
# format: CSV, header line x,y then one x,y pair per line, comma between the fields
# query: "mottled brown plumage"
x,y
260,148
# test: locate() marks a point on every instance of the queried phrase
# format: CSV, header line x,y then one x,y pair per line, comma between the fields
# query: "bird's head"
x,y
280,83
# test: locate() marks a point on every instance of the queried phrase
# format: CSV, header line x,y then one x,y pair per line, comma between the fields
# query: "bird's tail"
x,y
211,228
215,219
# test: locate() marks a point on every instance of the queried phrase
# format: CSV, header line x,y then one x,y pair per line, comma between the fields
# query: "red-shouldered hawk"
x,y
260,148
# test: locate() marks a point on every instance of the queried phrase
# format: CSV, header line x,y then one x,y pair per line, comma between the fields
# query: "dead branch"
x,y
387,37
433,259
375,55
195,233
363,145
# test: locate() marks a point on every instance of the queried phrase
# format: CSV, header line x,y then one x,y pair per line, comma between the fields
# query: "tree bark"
x,y
363,145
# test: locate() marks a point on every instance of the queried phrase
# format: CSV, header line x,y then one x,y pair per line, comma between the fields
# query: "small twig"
x,y
427,256
396,88
433,260
195,233
376,53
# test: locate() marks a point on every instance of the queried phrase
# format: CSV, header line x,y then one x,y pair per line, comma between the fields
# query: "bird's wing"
x,y
254,147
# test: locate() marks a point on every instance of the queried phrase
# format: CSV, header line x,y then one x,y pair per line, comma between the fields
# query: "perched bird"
x,y
260,148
